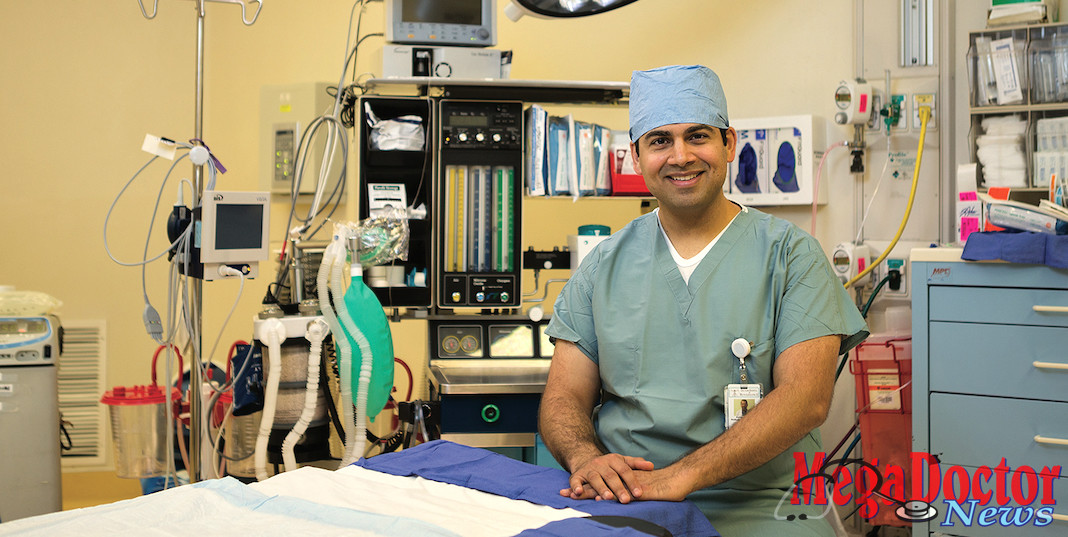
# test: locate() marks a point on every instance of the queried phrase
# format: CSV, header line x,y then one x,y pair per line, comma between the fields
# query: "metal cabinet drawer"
x,y
968,522
1038,307
1030,362
1022,432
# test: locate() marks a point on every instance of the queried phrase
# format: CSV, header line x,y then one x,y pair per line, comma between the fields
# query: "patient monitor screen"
x,y
238,226
436,11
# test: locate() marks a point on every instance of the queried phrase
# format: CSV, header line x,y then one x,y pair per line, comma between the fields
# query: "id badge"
x,y
738,400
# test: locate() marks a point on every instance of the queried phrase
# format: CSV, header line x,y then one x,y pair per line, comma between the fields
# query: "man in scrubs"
x,y
679,310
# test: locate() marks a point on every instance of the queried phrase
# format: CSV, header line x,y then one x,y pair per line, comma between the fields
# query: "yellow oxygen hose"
x,y
925,115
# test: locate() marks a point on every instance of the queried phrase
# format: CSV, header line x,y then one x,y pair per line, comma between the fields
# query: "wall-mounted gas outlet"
x,y
900,104
849,259
898,286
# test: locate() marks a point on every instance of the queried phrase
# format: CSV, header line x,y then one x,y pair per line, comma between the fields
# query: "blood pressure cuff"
x,y
1018,247
248,380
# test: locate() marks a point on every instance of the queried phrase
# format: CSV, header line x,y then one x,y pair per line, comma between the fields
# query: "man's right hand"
x,y
607,477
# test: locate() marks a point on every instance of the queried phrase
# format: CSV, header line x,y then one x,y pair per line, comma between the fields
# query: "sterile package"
x,y
560,155
404,133
383,237
585,166
1021,216
602,142
1005,54
536,161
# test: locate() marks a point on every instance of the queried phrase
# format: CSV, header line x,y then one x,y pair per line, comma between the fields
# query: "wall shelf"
x,y
1033,44
543,91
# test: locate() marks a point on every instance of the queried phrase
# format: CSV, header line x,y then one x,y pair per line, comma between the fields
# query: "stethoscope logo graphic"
x,y
908,510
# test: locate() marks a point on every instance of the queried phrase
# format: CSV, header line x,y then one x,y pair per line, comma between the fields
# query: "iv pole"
x,y
196,319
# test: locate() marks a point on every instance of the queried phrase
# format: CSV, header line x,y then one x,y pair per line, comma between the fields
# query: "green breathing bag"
x,y
367,313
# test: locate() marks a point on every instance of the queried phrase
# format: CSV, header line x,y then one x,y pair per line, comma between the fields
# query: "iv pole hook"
x,y
155,9
243,3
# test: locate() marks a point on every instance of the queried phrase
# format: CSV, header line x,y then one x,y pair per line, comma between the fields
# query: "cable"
x,y
867,306
816,184
864,314
878,184
925,115
411,379
240,290
107,218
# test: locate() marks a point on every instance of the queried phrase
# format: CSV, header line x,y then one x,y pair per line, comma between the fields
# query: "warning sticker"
x,y
883,391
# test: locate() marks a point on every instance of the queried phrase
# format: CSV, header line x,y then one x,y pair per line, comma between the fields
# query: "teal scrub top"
x,y
663,347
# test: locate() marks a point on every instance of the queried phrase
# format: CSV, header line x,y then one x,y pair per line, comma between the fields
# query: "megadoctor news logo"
x,y
983,496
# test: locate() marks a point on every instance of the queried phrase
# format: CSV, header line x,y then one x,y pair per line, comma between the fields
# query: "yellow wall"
x,y
85,81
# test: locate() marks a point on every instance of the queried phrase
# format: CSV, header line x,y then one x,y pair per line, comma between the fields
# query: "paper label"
x,y
386,195
161,147
883,392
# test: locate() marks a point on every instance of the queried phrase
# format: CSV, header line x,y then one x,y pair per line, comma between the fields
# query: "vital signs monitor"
x,y
233,230
470,23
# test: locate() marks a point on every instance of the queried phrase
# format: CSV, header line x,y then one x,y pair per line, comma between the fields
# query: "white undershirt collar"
x,y
688,265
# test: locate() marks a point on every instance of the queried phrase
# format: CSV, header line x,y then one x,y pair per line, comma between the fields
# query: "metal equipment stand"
x,y
196,314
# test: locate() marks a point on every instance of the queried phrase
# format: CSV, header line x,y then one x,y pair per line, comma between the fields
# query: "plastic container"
x,y
240,433
985,61
139,429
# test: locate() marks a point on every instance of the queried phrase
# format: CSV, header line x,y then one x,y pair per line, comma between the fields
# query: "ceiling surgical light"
x,y
560,8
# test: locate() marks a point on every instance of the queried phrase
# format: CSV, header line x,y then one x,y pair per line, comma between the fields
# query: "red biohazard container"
x,y
883,370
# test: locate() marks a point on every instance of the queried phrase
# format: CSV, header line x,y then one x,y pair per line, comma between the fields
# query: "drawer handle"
x,y
1047,440
1050,309
1050,365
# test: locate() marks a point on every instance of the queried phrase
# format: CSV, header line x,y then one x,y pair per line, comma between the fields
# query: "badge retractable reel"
x,y
739,399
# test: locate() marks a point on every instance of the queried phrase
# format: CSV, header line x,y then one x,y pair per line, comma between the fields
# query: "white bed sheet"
x,y
466,511
353,501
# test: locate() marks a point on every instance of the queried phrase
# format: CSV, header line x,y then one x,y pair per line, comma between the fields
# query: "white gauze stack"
x,y
1001,151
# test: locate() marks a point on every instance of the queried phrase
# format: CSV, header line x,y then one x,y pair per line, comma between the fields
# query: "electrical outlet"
x,y
919,100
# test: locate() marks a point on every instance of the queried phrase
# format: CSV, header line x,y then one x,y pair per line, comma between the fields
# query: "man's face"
x,y
684,164
745,404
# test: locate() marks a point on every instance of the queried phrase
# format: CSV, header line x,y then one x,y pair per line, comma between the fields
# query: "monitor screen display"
x,y
439,12
238,226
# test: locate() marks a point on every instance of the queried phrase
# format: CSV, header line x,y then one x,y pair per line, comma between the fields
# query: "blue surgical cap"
x,y
675,94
